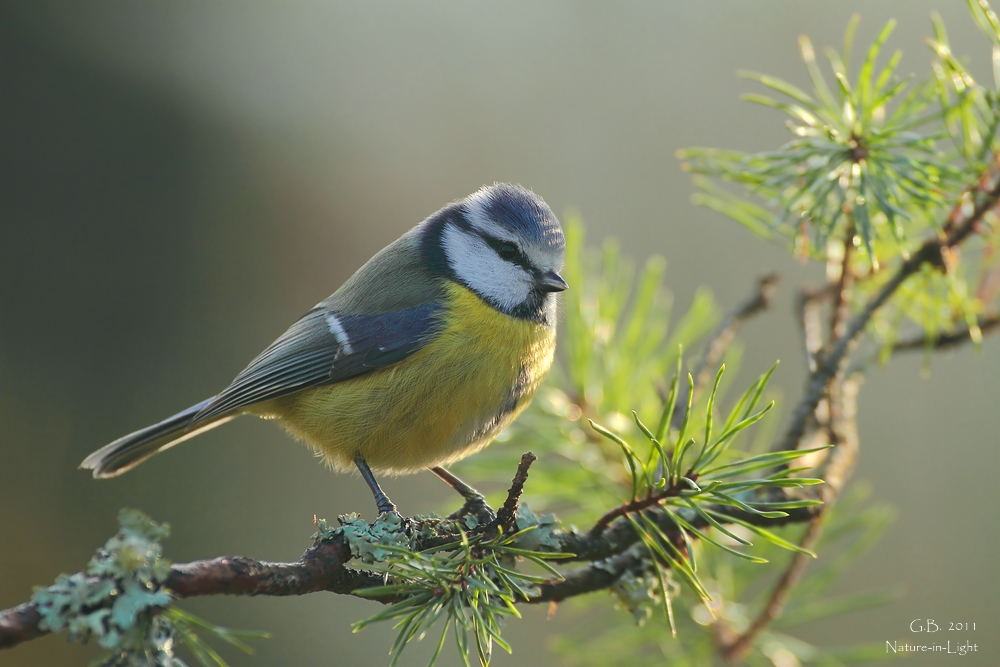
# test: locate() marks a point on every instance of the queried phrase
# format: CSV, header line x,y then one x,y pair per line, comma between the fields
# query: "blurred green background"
x,y
180,181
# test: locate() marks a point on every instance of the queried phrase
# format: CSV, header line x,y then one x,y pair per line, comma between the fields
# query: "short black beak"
x,y
551,282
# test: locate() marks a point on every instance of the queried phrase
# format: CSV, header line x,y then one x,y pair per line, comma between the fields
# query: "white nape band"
x,y
337,329
476,264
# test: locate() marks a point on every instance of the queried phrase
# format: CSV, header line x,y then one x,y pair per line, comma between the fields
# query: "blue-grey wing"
x,y
325,347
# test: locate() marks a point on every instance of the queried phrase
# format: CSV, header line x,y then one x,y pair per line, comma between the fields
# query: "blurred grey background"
x,y
180,181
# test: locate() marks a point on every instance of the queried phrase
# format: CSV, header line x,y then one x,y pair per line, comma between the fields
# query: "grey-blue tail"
x,y
126,453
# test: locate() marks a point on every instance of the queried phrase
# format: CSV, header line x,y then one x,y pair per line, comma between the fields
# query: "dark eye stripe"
x,y
502,249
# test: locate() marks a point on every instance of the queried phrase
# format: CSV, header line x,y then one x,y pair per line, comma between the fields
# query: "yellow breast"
x,y
441,404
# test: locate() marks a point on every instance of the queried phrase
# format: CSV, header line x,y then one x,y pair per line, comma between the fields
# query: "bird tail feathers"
x,y
129,451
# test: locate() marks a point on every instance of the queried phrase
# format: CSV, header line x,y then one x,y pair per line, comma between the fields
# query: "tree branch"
x,y
841,309
593,577
947,340
962,222
808,307
321,568
20,624
836,471
735,652
608,553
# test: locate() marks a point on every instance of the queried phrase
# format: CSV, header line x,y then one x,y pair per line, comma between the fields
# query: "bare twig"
x,y
20,624
947,340
837,468
841,309
808,307
836,471
631,507
508,513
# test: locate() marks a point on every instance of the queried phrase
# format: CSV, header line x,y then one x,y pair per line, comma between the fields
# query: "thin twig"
x,y
836,471
808,307
631,507
961,224
735,652
947,340
508,513
841,309
20,624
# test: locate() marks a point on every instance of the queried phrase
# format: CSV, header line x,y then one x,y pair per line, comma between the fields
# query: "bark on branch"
x,y
608,553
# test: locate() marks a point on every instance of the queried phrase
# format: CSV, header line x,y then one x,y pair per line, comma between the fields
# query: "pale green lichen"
x,y
607,565
115,599
638,594
425,527
540,532
367,541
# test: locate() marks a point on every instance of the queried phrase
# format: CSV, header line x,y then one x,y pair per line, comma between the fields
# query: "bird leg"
x,y
381,500
475,502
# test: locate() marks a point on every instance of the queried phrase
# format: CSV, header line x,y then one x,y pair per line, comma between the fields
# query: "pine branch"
x,y
594,577
631,507
961,224
608,553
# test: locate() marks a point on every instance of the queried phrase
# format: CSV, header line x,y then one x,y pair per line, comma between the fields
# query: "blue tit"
x,y
420,359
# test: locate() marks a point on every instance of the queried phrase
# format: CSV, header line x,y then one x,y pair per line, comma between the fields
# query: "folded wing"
x,y
325,347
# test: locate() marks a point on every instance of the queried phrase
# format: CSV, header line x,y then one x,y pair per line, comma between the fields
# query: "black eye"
x,y
508,251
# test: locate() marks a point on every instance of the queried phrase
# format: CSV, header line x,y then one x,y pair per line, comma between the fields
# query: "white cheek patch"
x,y
502,283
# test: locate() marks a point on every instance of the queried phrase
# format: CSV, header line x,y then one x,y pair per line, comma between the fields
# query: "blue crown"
x,y
525,213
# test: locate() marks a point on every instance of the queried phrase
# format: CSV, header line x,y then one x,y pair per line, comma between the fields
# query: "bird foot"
x,y
477,508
